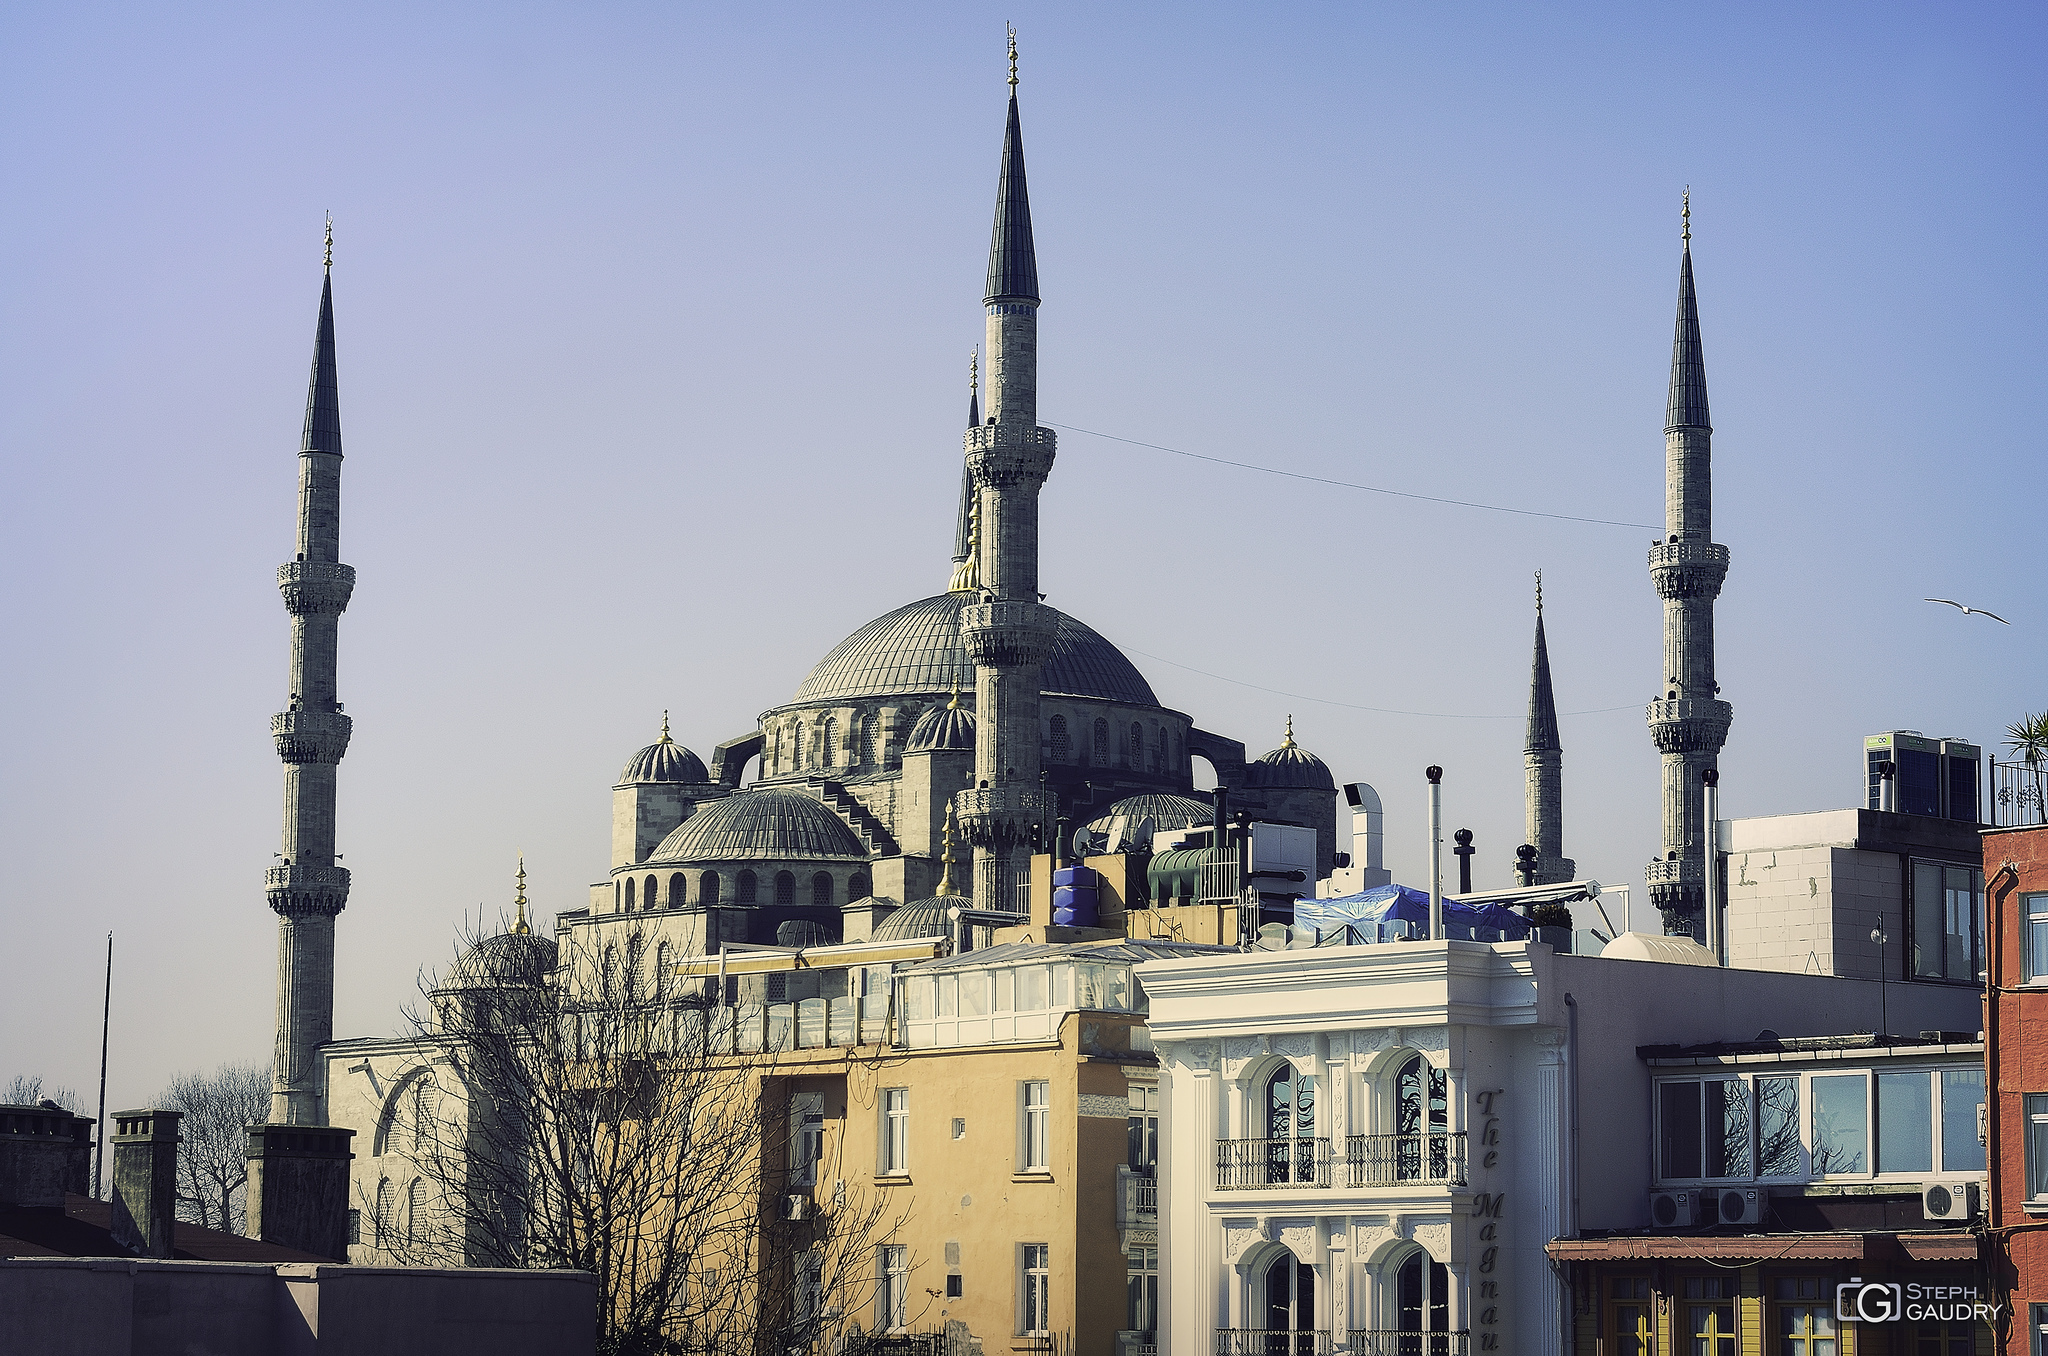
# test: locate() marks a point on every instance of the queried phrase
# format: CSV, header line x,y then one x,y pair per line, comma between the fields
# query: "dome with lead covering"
x,y
942,728
666,761
1289,768
1133,820
767,823
917,648
925,918
510,959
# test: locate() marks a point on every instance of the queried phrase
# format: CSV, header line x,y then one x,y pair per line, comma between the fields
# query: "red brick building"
x,y
2016,1056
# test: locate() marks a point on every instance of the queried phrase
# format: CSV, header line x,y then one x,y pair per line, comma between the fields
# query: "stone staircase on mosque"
x,y
875,834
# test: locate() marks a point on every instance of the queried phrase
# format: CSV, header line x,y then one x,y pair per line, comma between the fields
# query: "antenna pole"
x,y
99,1161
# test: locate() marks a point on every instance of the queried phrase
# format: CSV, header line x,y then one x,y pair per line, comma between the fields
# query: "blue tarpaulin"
x,y
1371,910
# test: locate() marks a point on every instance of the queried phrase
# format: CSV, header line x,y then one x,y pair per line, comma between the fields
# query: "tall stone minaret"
x,y
1008,632
1689,724
306,888
1543,766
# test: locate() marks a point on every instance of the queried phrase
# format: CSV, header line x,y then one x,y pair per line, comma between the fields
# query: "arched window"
x,y
796,745
821,889
707,888
831,752
1292,1151
629,894
785,888
1137,750
1101,742
747,887
1062,747
422,1113
661,969
415,1197
647,898
678,889
857,888
617,895
636,946
1290,1294
608,975
1421,1120
387,1197
870,726
1422,1295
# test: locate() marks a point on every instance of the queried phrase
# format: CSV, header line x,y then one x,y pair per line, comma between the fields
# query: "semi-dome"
x,y
666,761
1133,820
765,823
924,918
942,728
918,649
510,959
1289,768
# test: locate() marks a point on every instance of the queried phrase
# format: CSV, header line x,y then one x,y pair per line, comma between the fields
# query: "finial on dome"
x,y
1288,741
954,705
329,261
1539,593
946,857
1685,216
974,369
519,928
1013,56
664,729
967,574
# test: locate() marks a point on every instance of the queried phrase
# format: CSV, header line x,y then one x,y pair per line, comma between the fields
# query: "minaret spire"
x,y
1688,721
962,532
519,926
1543,767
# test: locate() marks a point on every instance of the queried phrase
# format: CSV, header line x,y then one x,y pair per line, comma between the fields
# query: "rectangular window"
x,y
1144,1129
955,1286
896,1130
1632,1318
1034,1310
2037,1317
892,1287
1962,1093
1678,1121
1034,1131
1905,1122
2034,946
1710,1315
807,1142
1841,1138
2037,1146
355,1226
1033,988
1141,1271
1948,922
974,994
1777,1143
1727,1127
1805,1319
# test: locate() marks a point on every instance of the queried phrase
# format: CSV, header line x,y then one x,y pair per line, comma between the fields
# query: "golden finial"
x,y
954,705
1013,55
329,261
967,574
946,857
664,729
974,369
1287,742
519,928
1685,215
1539,593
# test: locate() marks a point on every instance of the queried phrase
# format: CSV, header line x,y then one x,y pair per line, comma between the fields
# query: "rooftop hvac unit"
x,y
796,1208
1949,1200
1735,1205
1673,1209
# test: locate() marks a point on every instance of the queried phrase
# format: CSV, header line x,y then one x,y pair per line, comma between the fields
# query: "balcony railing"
x,y
1386,1342
1272,1342
1258,1164
1397,1160
2019,794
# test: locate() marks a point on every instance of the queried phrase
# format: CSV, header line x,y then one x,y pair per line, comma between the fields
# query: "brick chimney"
x,y
146,1180
45,1151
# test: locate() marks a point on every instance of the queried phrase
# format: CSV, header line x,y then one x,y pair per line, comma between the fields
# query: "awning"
x,y
1374,908
1958,1246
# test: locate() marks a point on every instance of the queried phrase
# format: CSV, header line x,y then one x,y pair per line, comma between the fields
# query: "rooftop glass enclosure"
x,y
1021,1001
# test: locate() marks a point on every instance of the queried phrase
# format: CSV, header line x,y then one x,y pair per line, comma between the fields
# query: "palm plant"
x,y
2028,741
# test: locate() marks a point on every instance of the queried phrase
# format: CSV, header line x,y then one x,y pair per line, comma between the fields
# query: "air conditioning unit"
x,y
1735,1205
1949,1200
1673,1209
796,1208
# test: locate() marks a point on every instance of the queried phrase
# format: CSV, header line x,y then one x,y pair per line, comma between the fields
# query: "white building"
x,y
1359,1142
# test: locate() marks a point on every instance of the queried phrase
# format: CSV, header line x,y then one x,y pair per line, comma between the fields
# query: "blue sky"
x,y
653,322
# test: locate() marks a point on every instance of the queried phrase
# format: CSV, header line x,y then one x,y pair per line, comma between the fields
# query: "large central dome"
x,y
918,649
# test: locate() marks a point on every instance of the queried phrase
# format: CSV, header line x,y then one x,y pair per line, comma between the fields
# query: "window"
x,y
608,974
1777,1146
896,1130
1062,747
821,890
2037,1146
807,1147
1421,1118
892,1288
423,1137
831,758
355,1227
1840,1138
785,888
747,888
1422,1295
629,894
858,888
1102,743
1710,1315
1962,1093
1144,1129
1034,1310
662,964
1141,1276
807,1284
387,1199
1948,917
1034,1130
1137,750
1905,1122
1290,1126
1631,1316
1805,1320
1703,1128
2037,1316
415,1197
678,890
647,898
2034,945
636,945
1945,1339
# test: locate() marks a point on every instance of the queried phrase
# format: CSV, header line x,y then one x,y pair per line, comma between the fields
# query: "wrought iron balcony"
x,y
1273,1342
1387,1342
1403,1160
1266,1164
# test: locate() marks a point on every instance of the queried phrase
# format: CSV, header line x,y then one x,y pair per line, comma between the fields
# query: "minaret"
x,y
1689,723
306,888
1543,767
1008,632
962,532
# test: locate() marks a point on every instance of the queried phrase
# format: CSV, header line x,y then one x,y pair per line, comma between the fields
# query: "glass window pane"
x,y
1679,1127
1840,1135
1905,1122
2036,941
948,995
1031,988
1962,1092
1006,981
974,994
2037,1145
1778,1128
1960,922
1927,919
1727,1111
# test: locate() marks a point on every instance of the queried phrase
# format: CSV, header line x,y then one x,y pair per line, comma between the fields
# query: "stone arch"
x,y
821,889
858,888
749,888
829,737
647,896
678,890
707,888
785,888
629,894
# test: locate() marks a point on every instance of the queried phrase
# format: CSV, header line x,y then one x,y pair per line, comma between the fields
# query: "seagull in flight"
x,y
1968,611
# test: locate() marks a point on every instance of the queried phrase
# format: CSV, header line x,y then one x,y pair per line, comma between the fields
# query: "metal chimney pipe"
x,y
1712,778
1887,792
1436,852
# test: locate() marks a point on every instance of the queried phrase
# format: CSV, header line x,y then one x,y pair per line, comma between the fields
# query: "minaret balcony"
x,y
297,891
315,586
1685,873
1000,816
1689,724
1003,455
310,736
1688,569
1007,634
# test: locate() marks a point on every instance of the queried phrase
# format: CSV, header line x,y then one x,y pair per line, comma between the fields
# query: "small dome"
x,y
925,918
1134,819
765,823
805,932
1289,768
511,959
942,728
666,761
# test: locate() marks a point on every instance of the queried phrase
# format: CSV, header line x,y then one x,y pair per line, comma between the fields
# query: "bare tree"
x,y
213,1166
573,1115
27,1090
